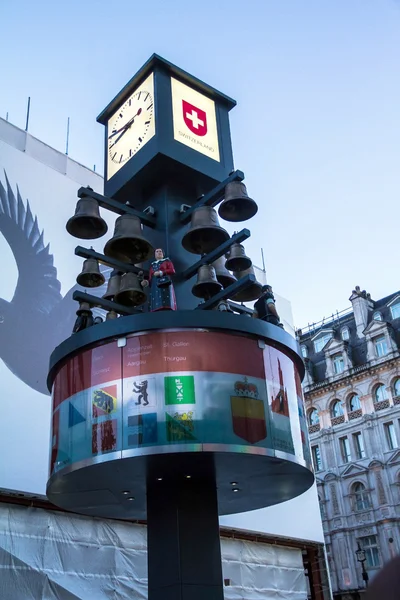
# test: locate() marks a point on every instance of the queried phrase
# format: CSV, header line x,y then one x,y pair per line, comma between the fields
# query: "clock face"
x,y
131,127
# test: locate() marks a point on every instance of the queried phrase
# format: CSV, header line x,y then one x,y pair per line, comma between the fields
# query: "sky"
x,y
316,128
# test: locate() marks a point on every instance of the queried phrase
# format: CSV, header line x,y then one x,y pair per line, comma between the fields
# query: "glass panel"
x,y
321,342
354,403
380,393
337,409
304,351
395,309
381,347
345,449
370,546
317,458
396,387
314,417
377,316
345,333
338,364
391,436
361,497
359,444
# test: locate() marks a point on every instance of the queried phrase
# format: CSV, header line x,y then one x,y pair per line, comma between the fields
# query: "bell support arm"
x,y
232,290
103,303
123,267
240,308
213,197
214,254
117,207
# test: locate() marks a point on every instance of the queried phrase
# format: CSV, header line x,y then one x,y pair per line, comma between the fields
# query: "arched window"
x,y
380,393
345,333
354,403
313,417
377,316
337,409
304,351
396,387
361,497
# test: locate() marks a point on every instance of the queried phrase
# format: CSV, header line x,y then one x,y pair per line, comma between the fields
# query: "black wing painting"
x,y
38,318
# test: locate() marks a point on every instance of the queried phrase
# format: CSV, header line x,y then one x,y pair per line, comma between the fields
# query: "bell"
x,y
111,315
237,259
237,206
84,317
130,292
205,233
224,277
128,243
90,276
87,224
207,284
113,285
253,292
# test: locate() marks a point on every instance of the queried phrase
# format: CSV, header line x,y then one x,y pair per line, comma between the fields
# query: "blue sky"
x,y
316,129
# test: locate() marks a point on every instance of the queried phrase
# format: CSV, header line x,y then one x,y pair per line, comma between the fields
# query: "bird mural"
x,y
38,318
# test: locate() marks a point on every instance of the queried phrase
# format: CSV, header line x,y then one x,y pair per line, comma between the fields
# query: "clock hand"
x,y
124,128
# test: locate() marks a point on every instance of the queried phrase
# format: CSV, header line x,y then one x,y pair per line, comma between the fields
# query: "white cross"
x,y
195,119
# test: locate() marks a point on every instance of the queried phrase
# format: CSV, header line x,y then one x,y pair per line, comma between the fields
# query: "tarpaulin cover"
x,y
50,555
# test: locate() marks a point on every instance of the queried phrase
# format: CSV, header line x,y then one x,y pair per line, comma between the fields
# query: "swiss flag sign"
x,y
195,118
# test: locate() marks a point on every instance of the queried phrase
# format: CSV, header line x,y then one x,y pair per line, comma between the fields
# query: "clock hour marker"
x,y
147,123
121,115
114,155
140,140
150,105
130,101
130,151
148,94
139,95
121,157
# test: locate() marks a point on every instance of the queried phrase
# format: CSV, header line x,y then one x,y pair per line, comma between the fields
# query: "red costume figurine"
x,y
162,294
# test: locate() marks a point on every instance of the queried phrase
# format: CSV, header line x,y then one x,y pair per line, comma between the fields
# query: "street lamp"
x,y
361,557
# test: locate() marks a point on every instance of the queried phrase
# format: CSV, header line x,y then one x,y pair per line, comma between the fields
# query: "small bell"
x,y
237,205
85,317
87,224
111,315
128,243
224,277
90,276
205,233
253,292
207,284
113,285
237,259
131,292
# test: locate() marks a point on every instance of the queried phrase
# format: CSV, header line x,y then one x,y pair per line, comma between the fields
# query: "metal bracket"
x,y
106,304
232,290
110,262
214,254
184,208
213,197
240,308
117,207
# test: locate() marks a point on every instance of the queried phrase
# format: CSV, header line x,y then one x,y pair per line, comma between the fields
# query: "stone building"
x,y
352,396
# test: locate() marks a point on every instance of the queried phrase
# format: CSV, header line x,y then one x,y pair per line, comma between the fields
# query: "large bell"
x,y
87,224
128,243
253,292
207,284
237,259
113,285
205,233
90,276
131,292
224,277
237,206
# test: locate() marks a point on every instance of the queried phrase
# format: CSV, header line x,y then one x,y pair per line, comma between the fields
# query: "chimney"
x,y
362,303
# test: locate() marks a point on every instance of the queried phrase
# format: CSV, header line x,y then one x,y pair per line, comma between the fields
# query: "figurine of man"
x,y
265,308
162,294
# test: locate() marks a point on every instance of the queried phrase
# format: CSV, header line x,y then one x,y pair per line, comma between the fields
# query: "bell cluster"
x,y
128,249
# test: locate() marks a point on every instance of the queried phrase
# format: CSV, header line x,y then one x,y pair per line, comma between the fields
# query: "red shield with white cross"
x,y
195,118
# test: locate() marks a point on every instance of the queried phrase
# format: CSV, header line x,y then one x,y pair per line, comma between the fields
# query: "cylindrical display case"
x,y
189,395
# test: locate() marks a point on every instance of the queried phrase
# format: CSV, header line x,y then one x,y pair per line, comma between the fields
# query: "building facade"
x,y
352,396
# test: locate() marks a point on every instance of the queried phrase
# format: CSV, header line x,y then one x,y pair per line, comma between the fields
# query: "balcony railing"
x,y
355,414
314,428
381,405
337,420
396,400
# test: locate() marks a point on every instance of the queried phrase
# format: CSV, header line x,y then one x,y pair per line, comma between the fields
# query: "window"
x,y
381,347
359,445
377,316
338,364
354,403
321,342
345,449
345,333
304,351
395,310
396,388
390,435
380,393
337,409
370,546
316,454
313,417
361,496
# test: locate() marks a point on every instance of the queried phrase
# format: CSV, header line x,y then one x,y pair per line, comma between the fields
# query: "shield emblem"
x,y
248,417
195,118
